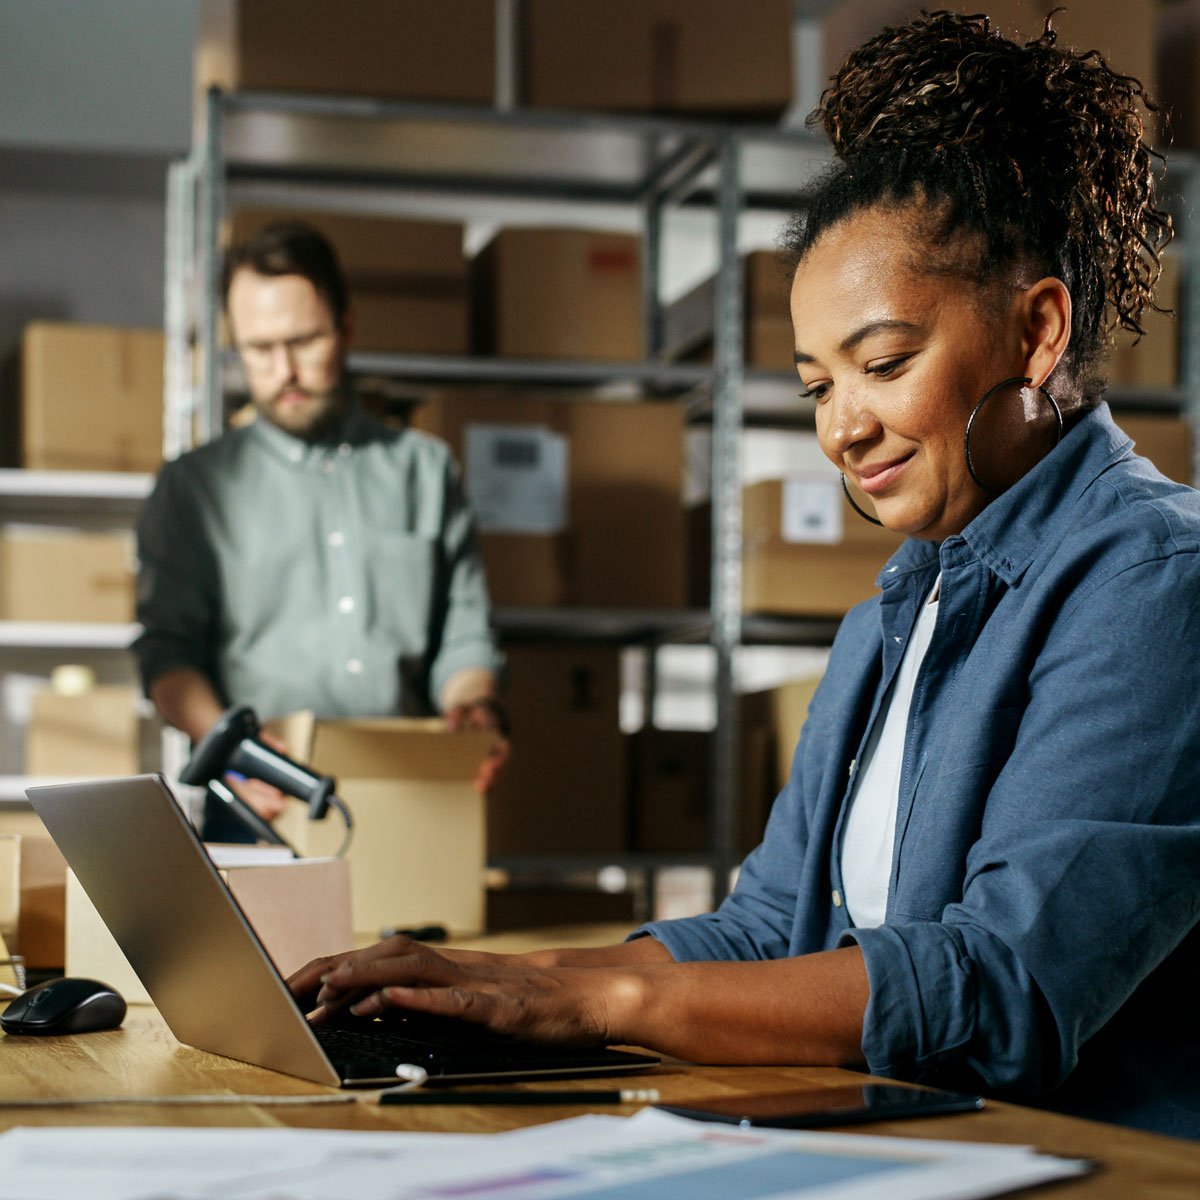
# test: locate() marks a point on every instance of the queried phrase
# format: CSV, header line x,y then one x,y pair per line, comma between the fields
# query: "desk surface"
x,y
143,1059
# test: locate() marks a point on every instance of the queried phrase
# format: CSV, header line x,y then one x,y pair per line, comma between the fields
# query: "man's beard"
x,y
310,419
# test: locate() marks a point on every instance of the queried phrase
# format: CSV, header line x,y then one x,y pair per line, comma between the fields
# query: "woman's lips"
x,y
877,476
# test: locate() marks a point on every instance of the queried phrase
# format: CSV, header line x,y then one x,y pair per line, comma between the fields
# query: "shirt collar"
x,y
1035,511
354,428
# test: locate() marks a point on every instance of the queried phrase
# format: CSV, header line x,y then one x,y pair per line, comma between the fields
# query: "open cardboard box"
x,y
419,848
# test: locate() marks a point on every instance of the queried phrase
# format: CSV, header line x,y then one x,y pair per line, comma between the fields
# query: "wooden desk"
x,y
142,1058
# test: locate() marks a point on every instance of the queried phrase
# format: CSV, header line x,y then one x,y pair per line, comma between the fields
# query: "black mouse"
x,y
64,1006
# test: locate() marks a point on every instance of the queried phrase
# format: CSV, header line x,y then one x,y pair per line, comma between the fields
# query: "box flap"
x,y
397,748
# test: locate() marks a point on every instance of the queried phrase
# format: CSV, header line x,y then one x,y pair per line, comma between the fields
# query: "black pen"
x,y
627,1096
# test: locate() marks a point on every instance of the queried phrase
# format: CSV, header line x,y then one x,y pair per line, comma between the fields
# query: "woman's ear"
x,y
1047,332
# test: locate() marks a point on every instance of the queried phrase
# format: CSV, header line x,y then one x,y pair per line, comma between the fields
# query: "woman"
x,y
985,869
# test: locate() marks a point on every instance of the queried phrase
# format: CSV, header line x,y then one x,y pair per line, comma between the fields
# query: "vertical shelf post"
x,y
210,415
727,511
179,299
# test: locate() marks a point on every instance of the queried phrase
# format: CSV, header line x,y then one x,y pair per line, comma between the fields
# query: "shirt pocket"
x,y
401,582
947,810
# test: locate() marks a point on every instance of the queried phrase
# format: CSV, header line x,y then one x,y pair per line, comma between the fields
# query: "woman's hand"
x,y
566,1005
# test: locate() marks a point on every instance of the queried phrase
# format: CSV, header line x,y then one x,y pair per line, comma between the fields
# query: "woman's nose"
x,y
848,420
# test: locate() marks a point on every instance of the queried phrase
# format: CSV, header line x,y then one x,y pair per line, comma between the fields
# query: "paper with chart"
x,y
652,1156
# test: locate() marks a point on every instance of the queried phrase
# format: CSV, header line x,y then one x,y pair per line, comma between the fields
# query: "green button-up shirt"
x,y
342,577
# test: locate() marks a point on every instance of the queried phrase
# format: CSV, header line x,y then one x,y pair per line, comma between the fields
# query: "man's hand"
x,y
484,713
266,800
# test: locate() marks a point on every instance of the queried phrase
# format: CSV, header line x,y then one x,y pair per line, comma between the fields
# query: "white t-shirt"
x,y
870,828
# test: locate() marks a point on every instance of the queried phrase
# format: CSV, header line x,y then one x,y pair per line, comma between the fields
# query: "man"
x,y
313,559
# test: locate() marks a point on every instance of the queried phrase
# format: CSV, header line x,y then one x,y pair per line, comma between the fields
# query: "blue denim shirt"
x,y
1041,936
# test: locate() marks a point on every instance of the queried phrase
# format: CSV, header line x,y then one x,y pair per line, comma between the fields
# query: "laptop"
x,y
155,887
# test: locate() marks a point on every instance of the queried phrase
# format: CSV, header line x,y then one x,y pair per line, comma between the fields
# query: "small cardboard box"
x,y
804,549
64,575
563,789
300,909
1177,50
768,340
559,293
408,280
417,855
560,485
41,911
91,398
671,781
95,733
400,49
697,56
10,885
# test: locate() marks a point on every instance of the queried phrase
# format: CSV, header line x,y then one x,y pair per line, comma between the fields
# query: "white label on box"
x,y
812,511
517,478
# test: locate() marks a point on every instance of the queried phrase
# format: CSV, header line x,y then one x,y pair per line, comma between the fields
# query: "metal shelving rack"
x,y
357,154
82,500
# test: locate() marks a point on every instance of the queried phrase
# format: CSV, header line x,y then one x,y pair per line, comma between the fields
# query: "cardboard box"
x,y
417,856
768,340
563,789
401,49
1165,441
671,779
559,293
91,398
697,56
95,733
300,910
408,280
1122,30
559,488
1177,50
49,574
41,913
10,885
804,549
1153,360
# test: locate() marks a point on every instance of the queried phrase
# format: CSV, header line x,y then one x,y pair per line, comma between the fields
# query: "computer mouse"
x,y
67,1005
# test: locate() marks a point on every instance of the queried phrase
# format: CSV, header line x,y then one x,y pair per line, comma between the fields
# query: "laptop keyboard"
x,y
443,1047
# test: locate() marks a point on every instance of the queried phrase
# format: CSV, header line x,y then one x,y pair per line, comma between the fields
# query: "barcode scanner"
x,y
233,746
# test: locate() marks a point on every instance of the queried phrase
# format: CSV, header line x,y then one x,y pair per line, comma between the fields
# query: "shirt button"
x,y
295,454
837,898
354,666
346,604
337,538
345,449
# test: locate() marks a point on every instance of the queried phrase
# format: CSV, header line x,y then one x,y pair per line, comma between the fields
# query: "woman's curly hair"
x,y
1034,149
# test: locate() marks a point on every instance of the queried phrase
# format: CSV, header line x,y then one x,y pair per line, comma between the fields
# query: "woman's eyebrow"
x,y
853,339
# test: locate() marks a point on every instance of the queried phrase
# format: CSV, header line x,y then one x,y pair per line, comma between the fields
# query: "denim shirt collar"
x,y
1033,513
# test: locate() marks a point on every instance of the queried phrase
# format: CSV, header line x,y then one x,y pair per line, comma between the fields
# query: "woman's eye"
x,y
815,391
884,369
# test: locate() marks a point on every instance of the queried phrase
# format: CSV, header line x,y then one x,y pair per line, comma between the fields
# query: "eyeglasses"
x,y
305,349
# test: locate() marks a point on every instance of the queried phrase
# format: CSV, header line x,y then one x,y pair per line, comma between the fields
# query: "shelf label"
x,y
516,477
812,510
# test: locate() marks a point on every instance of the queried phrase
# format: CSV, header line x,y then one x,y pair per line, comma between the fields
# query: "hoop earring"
x,y
850,500
1023,380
